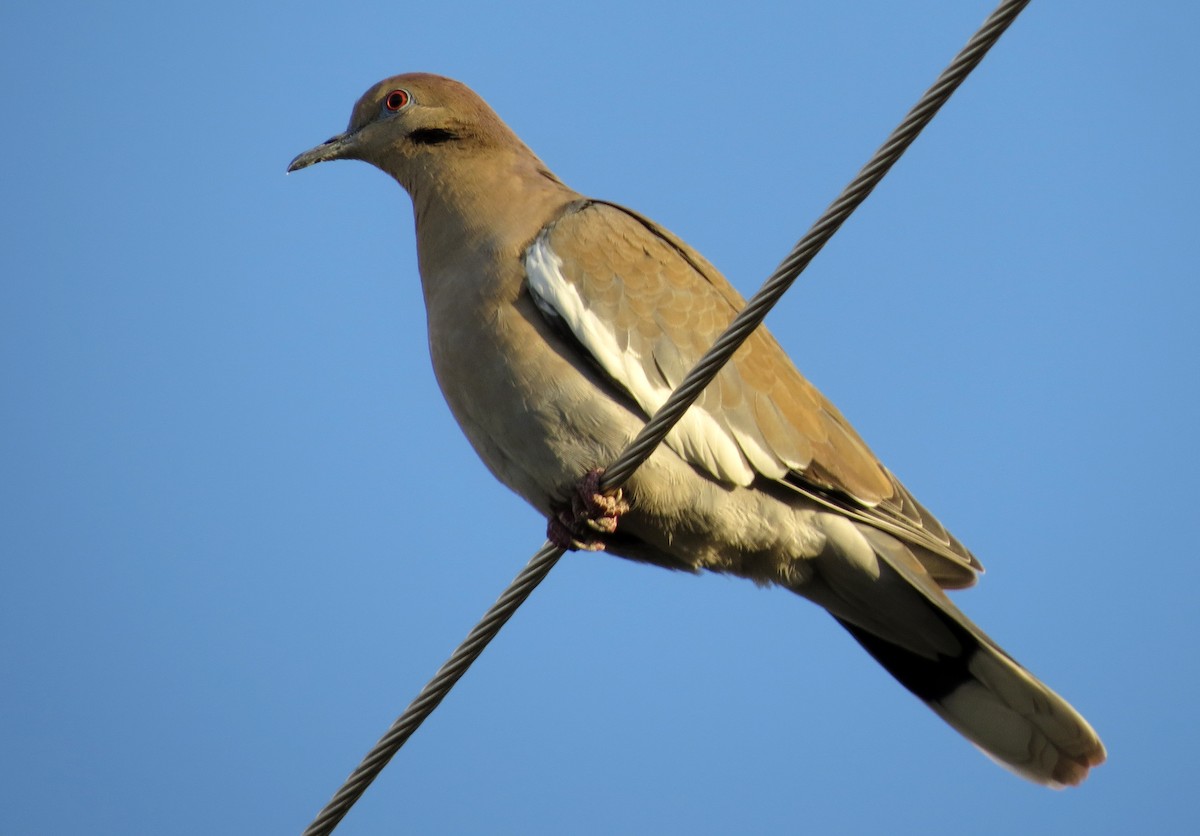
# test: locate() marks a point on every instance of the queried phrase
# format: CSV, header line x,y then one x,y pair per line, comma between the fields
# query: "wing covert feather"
x,y
647,307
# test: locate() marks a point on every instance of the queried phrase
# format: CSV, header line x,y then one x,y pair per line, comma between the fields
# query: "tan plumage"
x,y
557,324
681,306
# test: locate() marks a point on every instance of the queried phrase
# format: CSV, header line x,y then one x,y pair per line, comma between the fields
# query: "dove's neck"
x,y
476,211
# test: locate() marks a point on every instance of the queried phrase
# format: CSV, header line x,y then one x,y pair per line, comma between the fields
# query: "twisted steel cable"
x,y
657,428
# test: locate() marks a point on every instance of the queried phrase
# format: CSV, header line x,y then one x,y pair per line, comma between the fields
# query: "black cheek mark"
x,y
432,136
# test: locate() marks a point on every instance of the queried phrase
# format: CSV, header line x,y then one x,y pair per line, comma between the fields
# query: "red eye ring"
x,y
397,100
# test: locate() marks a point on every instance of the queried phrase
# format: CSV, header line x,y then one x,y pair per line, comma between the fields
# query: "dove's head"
x,y
419,126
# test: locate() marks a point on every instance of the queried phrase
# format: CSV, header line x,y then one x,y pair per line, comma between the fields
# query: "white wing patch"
x,y
698,437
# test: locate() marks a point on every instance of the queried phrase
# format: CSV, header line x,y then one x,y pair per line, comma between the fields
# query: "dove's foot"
x,y
576,524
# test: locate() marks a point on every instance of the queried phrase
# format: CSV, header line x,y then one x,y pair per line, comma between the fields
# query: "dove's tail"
x,y
904,620
997,705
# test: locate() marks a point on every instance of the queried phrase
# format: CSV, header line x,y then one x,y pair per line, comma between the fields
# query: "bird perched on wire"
x,y
558,324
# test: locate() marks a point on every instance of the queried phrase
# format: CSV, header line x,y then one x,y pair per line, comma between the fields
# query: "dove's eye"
x,y
396,100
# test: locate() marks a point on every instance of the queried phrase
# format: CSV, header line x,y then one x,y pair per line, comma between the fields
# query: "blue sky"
x,y
240,529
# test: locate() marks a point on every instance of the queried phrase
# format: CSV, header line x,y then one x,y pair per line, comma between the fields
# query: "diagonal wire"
x,y
436,689
657,428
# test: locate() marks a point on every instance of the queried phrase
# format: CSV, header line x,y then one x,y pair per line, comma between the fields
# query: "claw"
x,y
589,511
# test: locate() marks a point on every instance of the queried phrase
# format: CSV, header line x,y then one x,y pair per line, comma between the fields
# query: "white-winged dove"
x,y
558,324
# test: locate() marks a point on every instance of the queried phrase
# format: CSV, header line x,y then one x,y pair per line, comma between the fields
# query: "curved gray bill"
x,y
335,148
